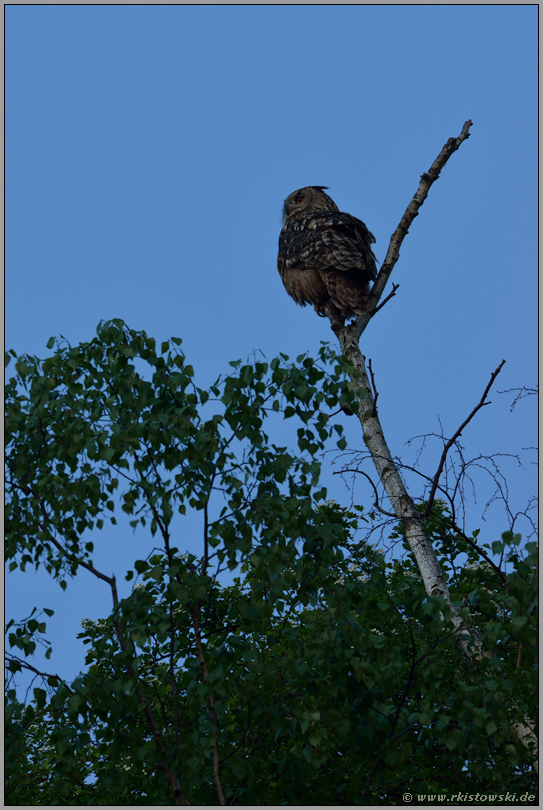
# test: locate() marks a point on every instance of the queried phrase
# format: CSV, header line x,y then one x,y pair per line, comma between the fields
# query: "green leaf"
x,y
40,696
157,572
320,658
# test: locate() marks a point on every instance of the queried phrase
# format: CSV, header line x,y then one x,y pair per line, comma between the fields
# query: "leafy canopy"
x,y
321,674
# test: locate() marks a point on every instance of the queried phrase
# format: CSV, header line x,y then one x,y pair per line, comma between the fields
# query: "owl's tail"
x,y
348,294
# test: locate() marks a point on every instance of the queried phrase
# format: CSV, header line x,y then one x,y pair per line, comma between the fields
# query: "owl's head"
x,y
310,198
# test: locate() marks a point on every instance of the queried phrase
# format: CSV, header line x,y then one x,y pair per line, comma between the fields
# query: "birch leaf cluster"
x,y
317,672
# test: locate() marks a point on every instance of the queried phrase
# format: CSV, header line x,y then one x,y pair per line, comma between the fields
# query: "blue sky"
x,y
148,153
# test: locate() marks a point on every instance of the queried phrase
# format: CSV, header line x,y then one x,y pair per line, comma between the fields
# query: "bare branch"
x,y
412,210
374,389
522,392
389,296
450,491
376,504
457,435
403,505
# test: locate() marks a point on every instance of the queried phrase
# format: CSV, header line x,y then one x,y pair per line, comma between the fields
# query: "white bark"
x,y
469,637
419,541
402,503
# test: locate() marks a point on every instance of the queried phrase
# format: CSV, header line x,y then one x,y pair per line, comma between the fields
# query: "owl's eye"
x,y
299,199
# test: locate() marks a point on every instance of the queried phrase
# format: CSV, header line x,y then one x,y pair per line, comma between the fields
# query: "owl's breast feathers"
x,y
324,240
313,247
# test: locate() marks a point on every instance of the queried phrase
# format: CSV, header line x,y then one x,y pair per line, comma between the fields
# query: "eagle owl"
x,y
325,256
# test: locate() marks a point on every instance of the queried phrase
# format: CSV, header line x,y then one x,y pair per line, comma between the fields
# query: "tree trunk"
x,y
412,523
402,503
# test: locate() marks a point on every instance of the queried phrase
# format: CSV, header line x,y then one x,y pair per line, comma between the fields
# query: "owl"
x,y
325,256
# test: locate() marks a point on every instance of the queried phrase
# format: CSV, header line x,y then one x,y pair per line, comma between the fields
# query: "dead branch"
x,y
522,393
374,389
376,504
403,505
412,210
389,296
450,492
456,436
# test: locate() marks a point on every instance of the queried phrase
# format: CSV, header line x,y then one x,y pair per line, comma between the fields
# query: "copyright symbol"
x,y
407,797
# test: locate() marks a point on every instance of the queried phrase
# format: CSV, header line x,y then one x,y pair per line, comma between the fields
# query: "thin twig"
x,y
456,436
389,296
172,675
481,553
376,504
446,523
172,778
44,675
523,392
162,526
375,393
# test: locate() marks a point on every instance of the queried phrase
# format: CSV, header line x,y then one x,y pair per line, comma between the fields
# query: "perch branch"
x,y
415,532
412,210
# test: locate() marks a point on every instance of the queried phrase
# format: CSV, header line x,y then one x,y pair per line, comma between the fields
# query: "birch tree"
x,y
411,520
320,672
374,437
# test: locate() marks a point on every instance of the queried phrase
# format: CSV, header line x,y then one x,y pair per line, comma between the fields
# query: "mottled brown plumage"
x,y
325,256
